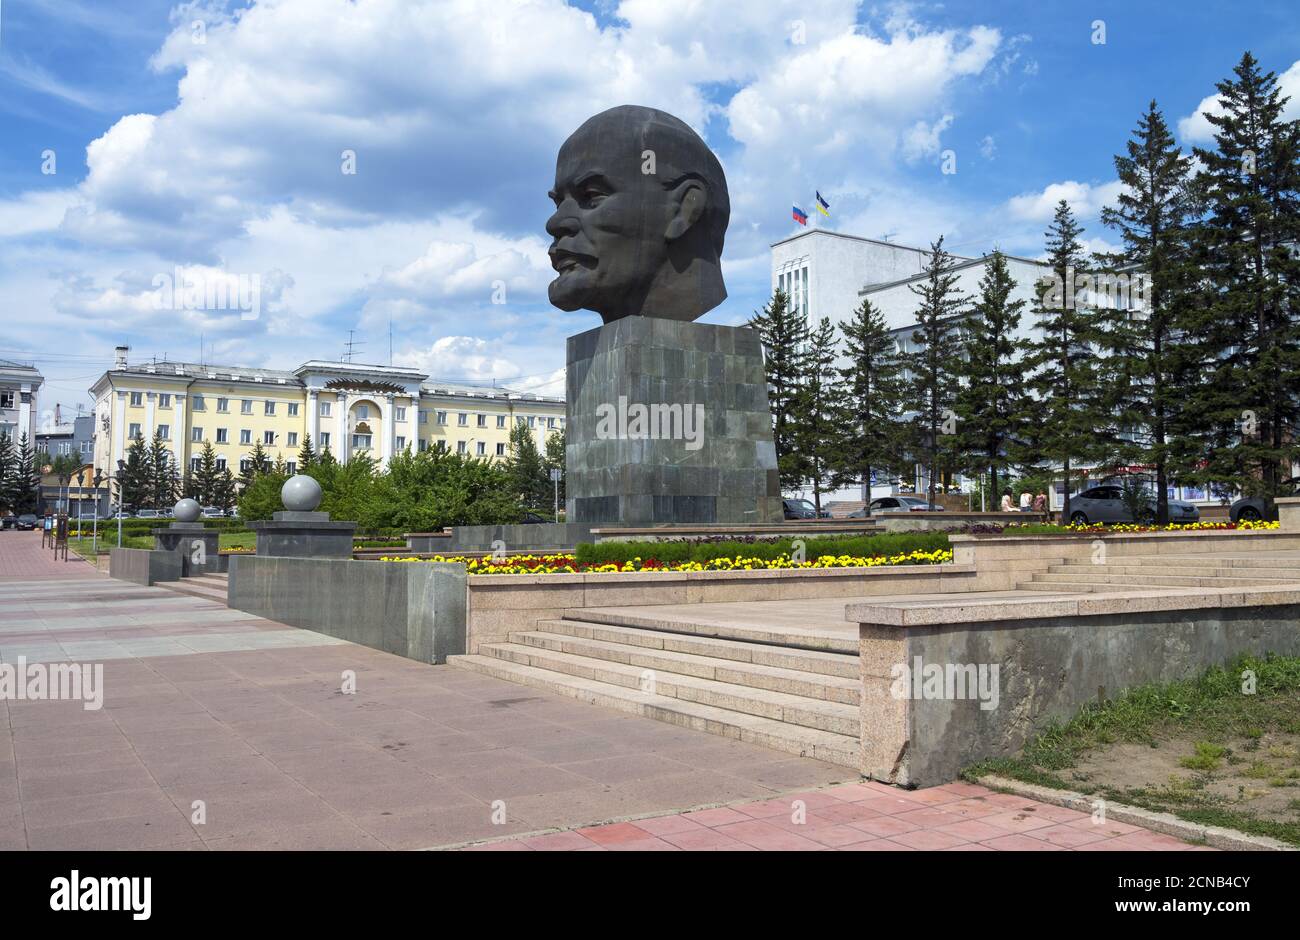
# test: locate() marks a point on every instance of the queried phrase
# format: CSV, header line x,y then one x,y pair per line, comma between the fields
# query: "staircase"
x,y
1139,572
210,587
801,701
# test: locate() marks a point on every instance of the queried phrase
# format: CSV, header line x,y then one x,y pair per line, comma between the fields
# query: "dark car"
x,y
803,509
26,522
532,518
897,504
1255,508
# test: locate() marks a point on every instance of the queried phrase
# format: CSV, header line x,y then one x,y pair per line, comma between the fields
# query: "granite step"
x,y
1190,570
829,746
839,689
197,587
840,664
783,637
813,710
1086,575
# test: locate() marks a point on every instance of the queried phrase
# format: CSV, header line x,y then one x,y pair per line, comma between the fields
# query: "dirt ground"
x,y
1259,775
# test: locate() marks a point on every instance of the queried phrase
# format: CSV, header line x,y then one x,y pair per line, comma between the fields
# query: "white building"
x,y
19,384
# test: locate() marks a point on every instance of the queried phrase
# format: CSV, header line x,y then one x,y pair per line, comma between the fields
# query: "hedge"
x,y
703,550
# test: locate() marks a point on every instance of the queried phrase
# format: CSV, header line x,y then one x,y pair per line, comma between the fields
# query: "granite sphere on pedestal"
x,y
187,510
300,493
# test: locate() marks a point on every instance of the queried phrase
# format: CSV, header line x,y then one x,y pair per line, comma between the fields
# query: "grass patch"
x,y
702,550
1236,781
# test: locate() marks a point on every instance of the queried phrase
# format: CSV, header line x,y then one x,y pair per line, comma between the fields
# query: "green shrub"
x,y
702,550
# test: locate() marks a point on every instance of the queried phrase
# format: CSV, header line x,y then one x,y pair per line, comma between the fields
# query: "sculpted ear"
x,y
690,199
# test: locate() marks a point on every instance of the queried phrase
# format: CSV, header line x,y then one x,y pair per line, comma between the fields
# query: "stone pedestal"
x,y
1288,513
196,545
304,535
668,422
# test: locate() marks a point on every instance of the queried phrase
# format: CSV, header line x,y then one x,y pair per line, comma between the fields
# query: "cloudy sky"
x,y
142,138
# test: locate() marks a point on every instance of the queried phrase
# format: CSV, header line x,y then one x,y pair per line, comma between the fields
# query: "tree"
x,y
817,430
8,470
224,493
1248,319
24,479
526,469
306,454
162,473
135,477
1064,376
933,360
554,460
256,465
207,477
870,402
1148,363
783,332
992,403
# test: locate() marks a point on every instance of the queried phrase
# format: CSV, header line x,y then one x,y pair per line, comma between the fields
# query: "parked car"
x,y
148,514
26,522
1255,508
8,522
897,504
122,514
531,518
803,509
1106,504
212,512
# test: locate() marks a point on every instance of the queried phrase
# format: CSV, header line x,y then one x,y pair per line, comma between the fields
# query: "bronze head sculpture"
x,y
641,211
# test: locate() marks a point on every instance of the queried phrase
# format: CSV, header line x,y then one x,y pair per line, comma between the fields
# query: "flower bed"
x,y
1119,528
569,564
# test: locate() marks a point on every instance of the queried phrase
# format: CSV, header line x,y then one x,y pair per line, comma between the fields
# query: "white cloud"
x,y
1085,199
1195,129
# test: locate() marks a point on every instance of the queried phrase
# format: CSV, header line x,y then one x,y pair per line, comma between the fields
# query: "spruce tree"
x,y
817,427
8,468
207,476
256,465
162,481
992,405
1248,318
933,362
135,478
871,399
783,332
526,468
224,493
1149,366
306,454
1070,415
25,479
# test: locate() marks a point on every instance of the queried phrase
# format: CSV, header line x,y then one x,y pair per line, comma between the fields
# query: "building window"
x,y
268,408
482,421
361,442
324,409
501,450
196,435
291,467
195,464
550,422
165,431
532,421
87,447
133,432
6,399
223,435
442,417
424,445
482,448
137,399
221,464
401,442
424,417
293,409
268,438
462,420
245,436
363,412
164,400
245,464
501,421
401,414
325,439
292,439
223,405
460,447
196,401
246,406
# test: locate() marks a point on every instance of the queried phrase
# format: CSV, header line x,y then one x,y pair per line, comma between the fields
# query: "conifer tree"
x,y
306,454
135,477
783,332
817,429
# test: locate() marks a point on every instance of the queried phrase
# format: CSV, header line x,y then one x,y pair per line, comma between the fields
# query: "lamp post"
x,y
121,468
97,479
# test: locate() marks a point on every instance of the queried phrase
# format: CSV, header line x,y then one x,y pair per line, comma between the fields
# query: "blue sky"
x,y
223,157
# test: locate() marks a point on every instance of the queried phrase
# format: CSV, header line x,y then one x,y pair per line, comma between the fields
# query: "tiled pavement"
x,y
23,559
861,817
248,716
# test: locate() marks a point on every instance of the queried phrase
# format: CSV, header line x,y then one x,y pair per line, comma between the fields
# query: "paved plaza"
x,y
245,721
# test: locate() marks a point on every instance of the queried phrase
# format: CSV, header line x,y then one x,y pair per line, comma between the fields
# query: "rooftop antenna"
x,y
351,345
888,235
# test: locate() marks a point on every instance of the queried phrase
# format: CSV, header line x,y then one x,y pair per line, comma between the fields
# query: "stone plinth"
x,y
195,545
668,421
1288,513
304,535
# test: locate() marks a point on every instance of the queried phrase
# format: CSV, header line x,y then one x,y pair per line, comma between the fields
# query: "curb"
x,y
1166,823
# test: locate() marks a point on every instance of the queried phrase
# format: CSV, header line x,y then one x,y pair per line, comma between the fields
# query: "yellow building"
x,y
348,407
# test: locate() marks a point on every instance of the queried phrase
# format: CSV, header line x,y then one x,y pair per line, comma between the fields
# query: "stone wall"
x,y
143,565
416,610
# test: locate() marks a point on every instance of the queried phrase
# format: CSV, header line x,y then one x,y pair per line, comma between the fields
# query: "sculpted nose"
x,y
561,222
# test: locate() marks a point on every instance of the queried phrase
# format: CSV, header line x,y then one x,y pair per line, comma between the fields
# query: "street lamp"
x,y
97,479
121,469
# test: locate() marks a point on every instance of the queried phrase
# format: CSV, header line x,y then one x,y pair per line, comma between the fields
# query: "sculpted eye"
x,y
593,197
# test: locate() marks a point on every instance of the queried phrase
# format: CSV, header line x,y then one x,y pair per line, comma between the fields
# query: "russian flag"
x,y
800,216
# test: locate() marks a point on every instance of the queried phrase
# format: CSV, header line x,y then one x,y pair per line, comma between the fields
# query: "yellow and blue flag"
x,y
823,206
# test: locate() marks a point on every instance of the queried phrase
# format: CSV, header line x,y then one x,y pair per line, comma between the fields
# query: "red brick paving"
x,y
23,559
865,817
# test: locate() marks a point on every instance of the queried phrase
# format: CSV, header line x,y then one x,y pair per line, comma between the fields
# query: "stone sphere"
x,y
300,493
187,510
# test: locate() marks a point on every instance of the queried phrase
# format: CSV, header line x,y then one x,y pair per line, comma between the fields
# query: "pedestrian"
x,y
1006,502
1040,502
1025,498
